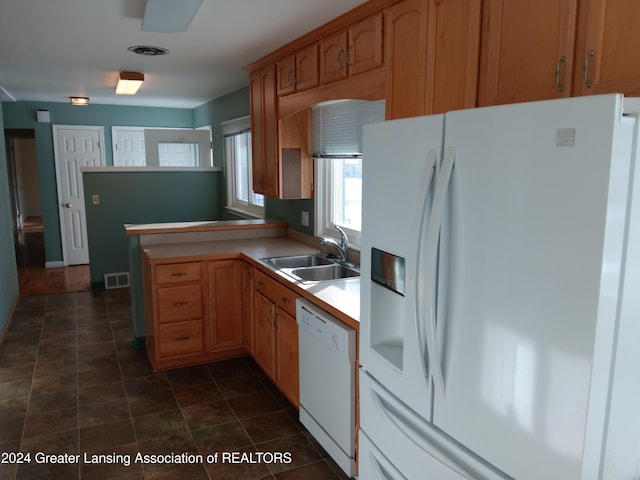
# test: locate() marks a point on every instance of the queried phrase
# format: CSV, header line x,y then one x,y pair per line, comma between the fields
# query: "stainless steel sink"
x,y
312,268
325,272
298,261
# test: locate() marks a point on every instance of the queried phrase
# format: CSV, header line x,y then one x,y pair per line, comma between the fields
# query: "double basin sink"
x,y
312,268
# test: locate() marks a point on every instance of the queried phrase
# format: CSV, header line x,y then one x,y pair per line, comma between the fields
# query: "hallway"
x,y
33,277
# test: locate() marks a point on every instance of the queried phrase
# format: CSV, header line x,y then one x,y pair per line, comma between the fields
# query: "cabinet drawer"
x,y
180,338
178,273
179,303
274,291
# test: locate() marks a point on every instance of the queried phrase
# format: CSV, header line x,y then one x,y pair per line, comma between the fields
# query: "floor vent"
x,y
116,280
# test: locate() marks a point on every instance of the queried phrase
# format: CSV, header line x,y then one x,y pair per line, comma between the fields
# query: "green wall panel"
x,y
141,197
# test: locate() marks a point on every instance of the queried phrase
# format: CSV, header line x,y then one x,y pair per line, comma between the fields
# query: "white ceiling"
x,y
51,50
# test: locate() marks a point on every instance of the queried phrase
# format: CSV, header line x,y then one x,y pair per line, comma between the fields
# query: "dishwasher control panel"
x,y
329,331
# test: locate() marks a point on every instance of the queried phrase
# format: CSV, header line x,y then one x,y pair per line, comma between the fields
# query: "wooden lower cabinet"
x,y
202,311
194,311
264,354
276,334
227,304
287,371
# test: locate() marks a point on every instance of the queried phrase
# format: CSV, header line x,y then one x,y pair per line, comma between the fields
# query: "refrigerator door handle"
x,y
432,157
412,431
383,469
431,262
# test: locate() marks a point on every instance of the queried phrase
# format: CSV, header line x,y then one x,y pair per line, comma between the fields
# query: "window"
x,y
237,152
337,147
161,147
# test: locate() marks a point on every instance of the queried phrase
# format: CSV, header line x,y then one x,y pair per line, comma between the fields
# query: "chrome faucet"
x,y
340,247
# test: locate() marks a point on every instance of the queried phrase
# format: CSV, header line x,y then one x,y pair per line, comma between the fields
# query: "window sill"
x,y
244,212
151,169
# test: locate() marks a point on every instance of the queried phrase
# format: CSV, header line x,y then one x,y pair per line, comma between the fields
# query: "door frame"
x,y
12,134
54,129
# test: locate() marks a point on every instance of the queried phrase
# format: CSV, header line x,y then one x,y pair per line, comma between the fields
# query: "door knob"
x,y
68,205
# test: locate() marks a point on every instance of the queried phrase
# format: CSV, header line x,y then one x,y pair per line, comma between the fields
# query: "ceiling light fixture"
x,y
129,83
79,100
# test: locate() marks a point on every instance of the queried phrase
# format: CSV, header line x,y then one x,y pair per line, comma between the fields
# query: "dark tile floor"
x,y
72,384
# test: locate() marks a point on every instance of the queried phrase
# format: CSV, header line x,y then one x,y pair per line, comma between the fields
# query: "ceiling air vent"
x,y
149,51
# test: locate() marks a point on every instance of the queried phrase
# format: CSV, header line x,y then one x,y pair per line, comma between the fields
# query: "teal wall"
x,y
8,269
141,197
23,115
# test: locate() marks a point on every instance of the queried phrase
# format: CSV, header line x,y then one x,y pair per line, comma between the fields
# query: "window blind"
x,y
337,126
236,126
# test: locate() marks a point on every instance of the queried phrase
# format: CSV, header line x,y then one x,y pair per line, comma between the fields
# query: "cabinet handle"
x,y
181,339
559,85
340,54
286,301
261,284
180,304
179,274
585,72
275,322
289,78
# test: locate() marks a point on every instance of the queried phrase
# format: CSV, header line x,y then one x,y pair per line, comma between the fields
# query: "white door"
x,y
75,147
128,147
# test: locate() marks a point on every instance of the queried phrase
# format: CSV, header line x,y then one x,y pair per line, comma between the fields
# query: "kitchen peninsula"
x,y
215,268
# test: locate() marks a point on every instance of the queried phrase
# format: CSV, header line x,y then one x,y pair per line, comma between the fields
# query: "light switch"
x,y
305,219
95,199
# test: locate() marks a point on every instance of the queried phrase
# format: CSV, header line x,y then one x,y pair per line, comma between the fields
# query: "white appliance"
x,y
500,296
327,358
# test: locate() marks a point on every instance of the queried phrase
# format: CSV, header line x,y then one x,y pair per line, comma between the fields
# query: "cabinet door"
x,y
454,55
225,295
286,75
264,334
333,57
364,51
528,50
306,74
405,40
247,303
264,130
287,371
608,54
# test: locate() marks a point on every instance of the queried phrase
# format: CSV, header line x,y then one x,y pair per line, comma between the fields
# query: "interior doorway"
x,y
24,179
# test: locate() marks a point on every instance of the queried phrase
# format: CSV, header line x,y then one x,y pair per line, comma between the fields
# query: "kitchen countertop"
x,y
341,297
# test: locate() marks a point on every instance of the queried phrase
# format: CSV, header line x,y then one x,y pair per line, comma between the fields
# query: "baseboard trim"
x,y
57,264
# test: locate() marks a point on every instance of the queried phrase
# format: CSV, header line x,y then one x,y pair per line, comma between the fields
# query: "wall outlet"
x,y
95,199
305,219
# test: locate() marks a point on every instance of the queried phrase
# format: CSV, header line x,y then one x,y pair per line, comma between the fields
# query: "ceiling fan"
x,y
169,16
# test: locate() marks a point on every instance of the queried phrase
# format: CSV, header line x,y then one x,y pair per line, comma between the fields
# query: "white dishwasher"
x,y
327,351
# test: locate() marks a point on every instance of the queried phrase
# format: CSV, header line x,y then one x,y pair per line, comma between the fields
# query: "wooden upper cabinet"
x,y
405,40
528,50
364,51
453,55
352,51
264,128
607,48
298,71
333,57
286,72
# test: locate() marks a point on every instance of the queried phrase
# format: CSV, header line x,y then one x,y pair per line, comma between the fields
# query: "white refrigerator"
x,y
500,295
